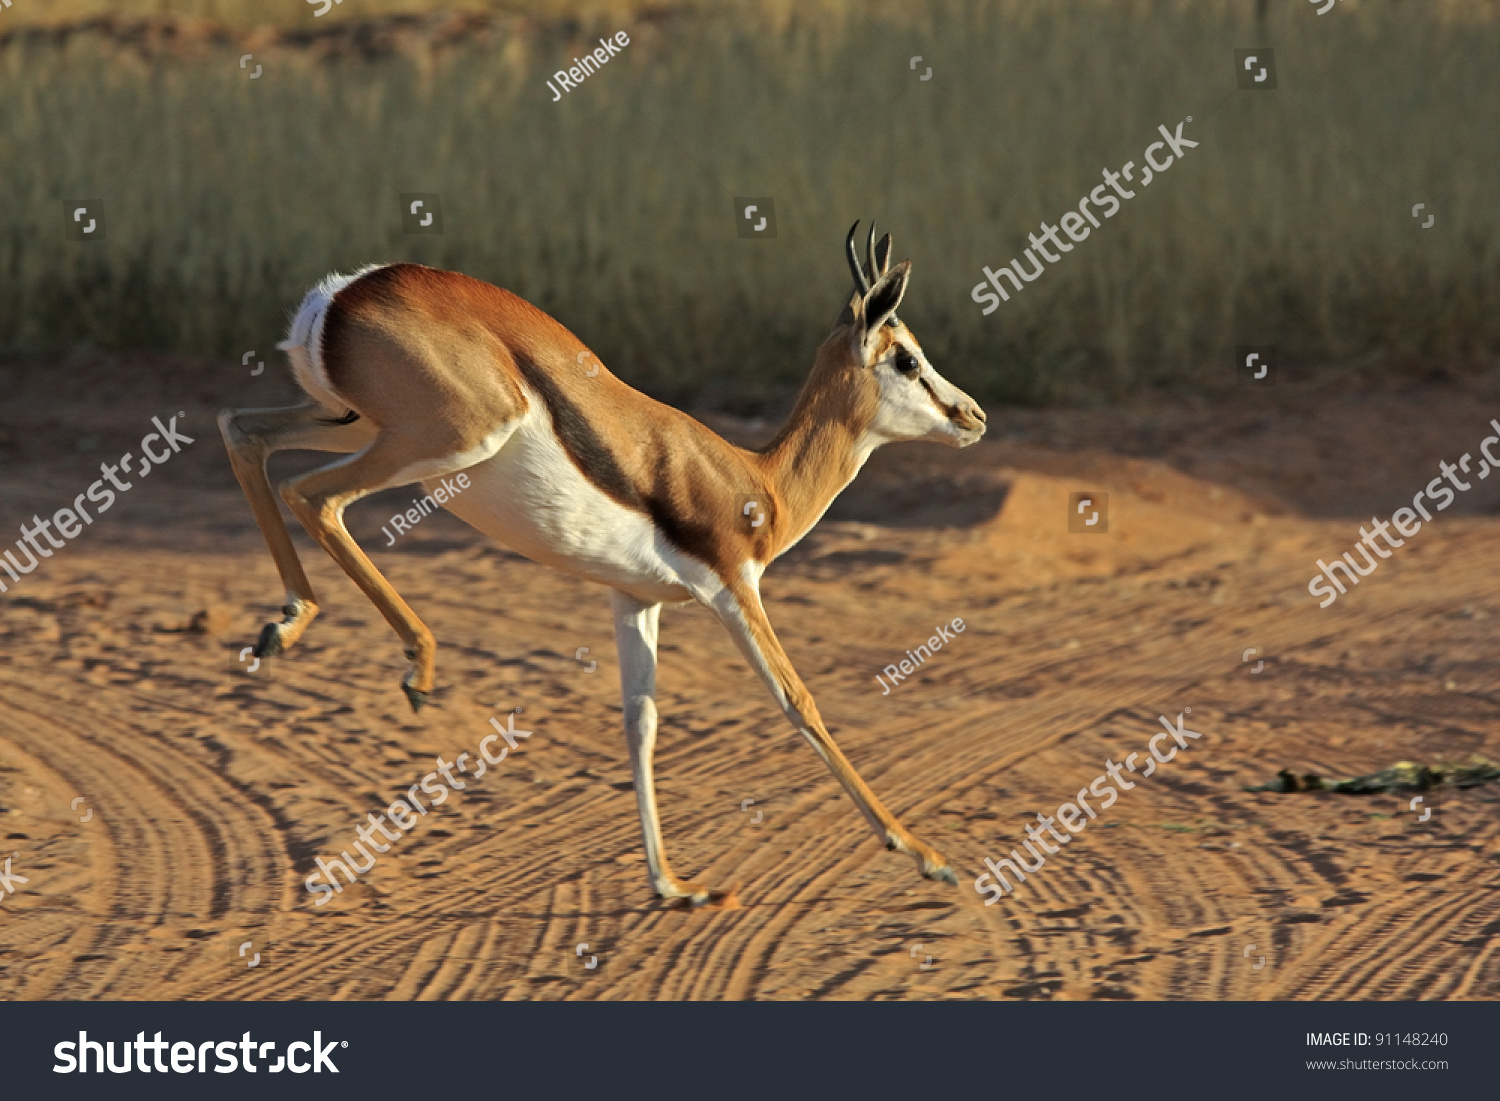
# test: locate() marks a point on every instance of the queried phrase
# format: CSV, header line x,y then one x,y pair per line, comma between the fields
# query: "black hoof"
x,y
945,874
414,697
269,643
706,900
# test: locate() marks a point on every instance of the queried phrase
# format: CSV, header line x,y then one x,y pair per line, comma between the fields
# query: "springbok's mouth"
x,y
966,421
972,423
958,434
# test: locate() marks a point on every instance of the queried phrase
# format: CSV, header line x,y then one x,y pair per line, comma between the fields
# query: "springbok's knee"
x,y
314,506
236,438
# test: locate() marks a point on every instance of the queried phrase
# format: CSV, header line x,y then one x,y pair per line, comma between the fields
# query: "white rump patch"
x,y
304,340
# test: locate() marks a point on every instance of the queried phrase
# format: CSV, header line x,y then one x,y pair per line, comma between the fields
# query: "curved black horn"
x,y
883,255
870,255
861,284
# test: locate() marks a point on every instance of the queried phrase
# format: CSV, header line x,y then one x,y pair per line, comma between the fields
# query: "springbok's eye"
x,y
907,363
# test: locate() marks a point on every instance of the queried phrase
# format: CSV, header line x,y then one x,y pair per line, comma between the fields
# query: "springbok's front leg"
x,y
739,608
635,636
250,437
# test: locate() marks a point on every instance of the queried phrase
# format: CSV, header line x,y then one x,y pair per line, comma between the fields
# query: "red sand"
x,y
212,789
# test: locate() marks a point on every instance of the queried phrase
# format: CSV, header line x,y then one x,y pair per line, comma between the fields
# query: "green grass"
x,y
1288,225
301,13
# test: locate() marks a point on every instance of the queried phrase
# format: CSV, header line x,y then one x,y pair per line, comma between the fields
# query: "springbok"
x,y
423,373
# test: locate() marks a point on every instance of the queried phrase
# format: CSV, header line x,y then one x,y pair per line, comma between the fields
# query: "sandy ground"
x,y
209,790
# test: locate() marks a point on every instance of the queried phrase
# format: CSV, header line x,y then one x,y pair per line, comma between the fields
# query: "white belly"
x,y
530,497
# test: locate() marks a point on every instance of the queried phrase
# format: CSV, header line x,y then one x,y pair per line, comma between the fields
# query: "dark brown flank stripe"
x,y
384,290
592,456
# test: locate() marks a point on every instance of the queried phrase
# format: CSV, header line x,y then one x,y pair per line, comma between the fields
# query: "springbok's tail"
x,y
304,341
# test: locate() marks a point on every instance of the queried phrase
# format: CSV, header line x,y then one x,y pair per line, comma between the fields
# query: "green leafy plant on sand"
x,y
1402,776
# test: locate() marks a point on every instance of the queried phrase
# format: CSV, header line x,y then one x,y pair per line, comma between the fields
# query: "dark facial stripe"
x,y
949,411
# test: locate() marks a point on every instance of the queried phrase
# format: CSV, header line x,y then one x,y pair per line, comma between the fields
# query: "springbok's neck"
x,y
815,455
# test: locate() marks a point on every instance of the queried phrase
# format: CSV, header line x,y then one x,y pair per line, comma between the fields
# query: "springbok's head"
x,y
903,396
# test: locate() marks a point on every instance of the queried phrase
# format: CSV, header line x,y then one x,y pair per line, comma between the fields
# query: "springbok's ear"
x,y
884,297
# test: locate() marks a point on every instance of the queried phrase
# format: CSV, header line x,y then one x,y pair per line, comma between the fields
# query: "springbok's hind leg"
x,y
319,498
250,437
739,608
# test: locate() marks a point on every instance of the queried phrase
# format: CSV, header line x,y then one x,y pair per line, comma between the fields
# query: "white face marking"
x,y
907,410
